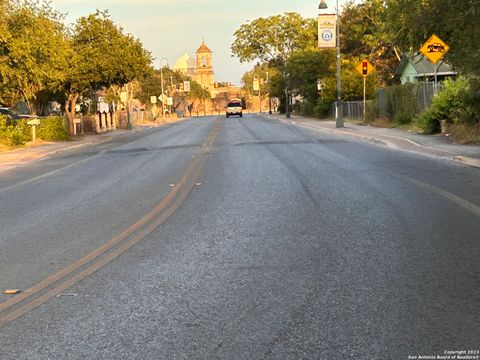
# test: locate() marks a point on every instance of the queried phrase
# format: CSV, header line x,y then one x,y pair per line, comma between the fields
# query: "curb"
x,y
40,155
97,139
422,150
467,161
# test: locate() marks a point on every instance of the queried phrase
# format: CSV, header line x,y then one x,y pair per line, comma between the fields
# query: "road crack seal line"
x,y
289,167
57,283
467,205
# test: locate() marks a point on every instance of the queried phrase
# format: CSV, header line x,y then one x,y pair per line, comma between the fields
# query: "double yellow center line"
x,y
59,282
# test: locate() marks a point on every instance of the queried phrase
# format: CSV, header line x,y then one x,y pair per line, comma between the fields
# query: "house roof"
x,y
423,66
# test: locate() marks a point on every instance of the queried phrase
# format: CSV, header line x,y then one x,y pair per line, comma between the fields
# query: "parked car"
x,y
234,107
13,115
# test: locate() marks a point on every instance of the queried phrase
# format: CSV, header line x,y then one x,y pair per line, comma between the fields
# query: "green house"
x,y
414,68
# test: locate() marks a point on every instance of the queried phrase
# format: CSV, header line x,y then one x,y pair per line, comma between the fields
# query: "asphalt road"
x,y
239,238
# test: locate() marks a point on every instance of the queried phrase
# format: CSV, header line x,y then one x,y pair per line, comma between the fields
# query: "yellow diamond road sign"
x,y
365,68
434,49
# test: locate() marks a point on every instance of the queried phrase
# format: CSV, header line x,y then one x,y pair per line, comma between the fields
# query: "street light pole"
x,y
287,98
260,95
163,94
338,104
129,122
269,98
339,112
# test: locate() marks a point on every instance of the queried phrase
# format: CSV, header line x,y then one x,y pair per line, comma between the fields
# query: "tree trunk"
x,y
70,110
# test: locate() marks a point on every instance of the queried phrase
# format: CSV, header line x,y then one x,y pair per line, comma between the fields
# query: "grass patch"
x,y
465,133
388,124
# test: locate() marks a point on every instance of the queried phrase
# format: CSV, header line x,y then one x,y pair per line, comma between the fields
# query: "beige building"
x,y
200,69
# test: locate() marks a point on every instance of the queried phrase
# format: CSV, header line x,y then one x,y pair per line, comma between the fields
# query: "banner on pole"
x,y
327,24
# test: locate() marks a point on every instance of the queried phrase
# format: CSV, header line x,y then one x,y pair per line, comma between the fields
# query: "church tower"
x,y
204,67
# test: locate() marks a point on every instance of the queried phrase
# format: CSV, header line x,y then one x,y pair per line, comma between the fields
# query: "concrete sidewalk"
x,y
13,158
439,146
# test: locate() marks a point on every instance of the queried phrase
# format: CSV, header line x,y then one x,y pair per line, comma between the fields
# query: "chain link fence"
x,y
352,109
422,95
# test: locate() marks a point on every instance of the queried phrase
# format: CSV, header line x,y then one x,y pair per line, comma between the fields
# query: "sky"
x,y
170,28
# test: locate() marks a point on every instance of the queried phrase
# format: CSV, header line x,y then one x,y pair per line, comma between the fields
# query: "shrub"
x,y
428,121
306,108
401,103
16,133
322,108
455,104
371,111
52,128
13,133
466,133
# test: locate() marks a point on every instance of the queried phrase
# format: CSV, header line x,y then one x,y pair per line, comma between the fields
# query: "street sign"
x,y
33,122
434,49
256,85
153,99
326,31
365,68
163,99
186,86
169,100
320,85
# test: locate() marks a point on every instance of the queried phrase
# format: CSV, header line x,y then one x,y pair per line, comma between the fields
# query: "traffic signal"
x,y
364,68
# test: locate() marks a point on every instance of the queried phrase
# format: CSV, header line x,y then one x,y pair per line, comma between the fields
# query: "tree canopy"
x,y
410,22
32,50
381,31
101,56
273,39
106,54
363,35
41,58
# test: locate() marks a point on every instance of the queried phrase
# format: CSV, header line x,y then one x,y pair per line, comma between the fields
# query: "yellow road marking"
x,y
79,270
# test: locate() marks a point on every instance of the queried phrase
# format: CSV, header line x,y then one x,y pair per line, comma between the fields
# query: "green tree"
x,y
4,38
274,87
32,50
151,85
456,22
273,39
198,95
305,67
363,35
101,56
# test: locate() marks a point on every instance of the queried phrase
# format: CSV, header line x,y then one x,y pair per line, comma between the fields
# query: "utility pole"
x,y
269,98
161,79
129,122
339,112
338,103
287,98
